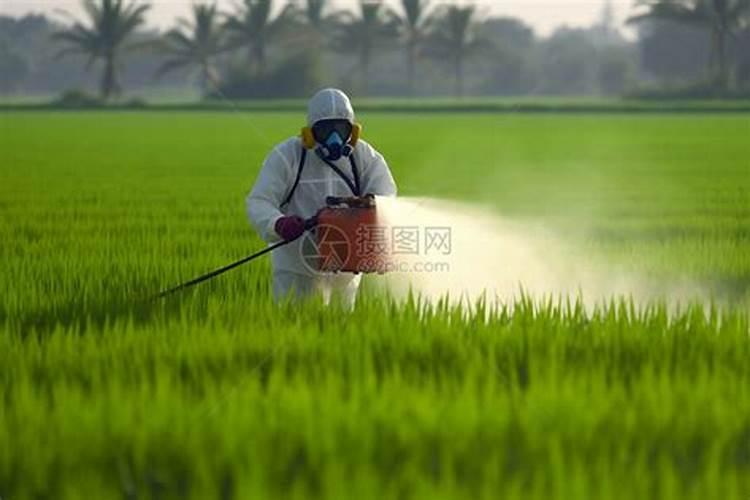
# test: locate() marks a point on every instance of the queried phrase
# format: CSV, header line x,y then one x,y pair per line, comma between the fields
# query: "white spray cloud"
x,y
500,258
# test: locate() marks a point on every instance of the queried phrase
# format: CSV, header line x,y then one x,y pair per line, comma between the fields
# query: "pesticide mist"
x,y
465,252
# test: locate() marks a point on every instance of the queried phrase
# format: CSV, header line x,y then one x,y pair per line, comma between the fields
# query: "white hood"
x,y
328,104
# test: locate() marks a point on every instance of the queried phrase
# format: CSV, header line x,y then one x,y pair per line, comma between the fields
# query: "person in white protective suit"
x,y
328,159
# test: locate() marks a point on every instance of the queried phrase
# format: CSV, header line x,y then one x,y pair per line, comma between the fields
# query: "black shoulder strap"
x,y
354,186
355,172
296,179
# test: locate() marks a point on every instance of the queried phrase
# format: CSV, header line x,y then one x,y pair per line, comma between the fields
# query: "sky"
x,y
543,15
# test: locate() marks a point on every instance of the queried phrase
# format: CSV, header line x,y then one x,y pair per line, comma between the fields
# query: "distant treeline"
x,y
421,49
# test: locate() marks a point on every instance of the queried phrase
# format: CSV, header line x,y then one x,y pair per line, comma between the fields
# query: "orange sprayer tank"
x,y
349,238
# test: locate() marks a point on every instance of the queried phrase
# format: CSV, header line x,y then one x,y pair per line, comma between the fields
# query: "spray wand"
x,y
353,202
309,224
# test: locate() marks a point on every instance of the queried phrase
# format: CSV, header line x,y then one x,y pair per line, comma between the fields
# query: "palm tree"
x,y
454,38
413,25
254,28
314,13
724,18
112,22
194,43
364,33
312,21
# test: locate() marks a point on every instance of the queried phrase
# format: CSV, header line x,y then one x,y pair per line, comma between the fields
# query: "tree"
x,y
510,70
413,25
568,61
615,68
364,33
673,53
723,19
742,53
13,69
314,20
606,24
253,28
454,38
112,22
314,15
194,43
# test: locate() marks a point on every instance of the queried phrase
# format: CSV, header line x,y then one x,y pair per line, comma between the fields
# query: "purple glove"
x,y
290,227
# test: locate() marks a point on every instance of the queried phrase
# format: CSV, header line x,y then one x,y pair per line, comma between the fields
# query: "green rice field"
x,y
220,393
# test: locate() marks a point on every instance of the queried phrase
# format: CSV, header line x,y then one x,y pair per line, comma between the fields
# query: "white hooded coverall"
x,y
317,181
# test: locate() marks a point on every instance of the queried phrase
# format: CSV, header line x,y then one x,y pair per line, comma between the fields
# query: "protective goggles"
x,y
324,128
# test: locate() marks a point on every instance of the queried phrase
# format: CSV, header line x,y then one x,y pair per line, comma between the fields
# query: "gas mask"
x,y
333,138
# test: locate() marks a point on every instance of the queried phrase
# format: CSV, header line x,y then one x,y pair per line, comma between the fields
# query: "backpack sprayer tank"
x,y
346,235
347,238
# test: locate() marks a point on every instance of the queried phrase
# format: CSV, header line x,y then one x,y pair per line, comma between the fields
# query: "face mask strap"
x,y
356,133
308,139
